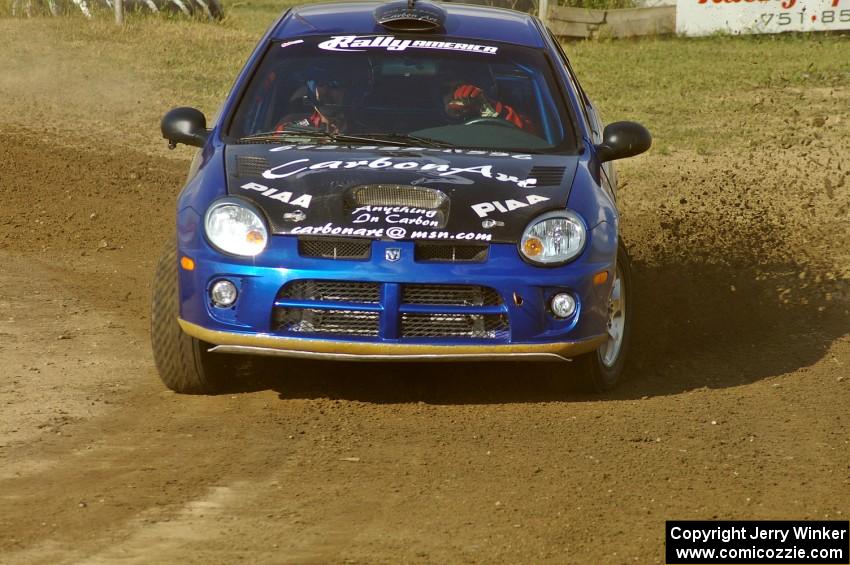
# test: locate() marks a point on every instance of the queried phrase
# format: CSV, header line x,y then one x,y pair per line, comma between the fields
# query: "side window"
x,y
587,109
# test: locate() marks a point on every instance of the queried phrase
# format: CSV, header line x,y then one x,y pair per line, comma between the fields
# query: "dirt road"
x,y
737,404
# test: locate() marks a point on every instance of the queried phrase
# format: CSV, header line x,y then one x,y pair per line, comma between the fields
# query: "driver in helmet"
x,y
330,92
468,102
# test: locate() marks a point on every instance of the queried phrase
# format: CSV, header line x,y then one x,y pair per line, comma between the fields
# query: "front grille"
x,y
393,311
547,176
328,248
446,252
474,326
450,295
250,166
332,291
396,195
333,322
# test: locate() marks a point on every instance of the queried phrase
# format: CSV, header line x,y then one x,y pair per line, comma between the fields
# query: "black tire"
x,y
595,375
183,362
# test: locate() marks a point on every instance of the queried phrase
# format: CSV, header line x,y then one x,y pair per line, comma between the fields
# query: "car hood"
x,y
398,193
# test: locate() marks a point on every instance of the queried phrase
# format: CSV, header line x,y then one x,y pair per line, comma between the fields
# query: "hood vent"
x,y
399,198
249,166
547,176
410,15
396,195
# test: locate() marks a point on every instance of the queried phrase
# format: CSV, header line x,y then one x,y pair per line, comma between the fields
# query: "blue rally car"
x,y
408,181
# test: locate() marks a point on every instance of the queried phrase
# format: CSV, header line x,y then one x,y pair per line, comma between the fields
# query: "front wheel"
x,y
183,362
602,370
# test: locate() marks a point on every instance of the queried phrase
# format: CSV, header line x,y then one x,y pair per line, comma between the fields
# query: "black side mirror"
x,y
623,139
184,125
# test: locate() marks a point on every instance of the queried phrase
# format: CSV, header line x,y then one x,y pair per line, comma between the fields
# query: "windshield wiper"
x,y
288,133
383,138
406,139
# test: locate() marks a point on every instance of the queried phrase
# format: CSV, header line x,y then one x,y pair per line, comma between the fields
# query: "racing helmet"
x,y
349,75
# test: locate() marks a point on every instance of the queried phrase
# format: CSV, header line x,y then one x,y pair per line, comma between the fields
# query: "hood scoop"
x,y
250,166
410,16
547,176
396,195
396,199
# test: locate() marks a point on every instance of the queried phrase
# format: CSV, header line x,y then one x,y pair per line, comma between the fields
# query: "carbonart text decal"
x,y
300,165
392,233
397,215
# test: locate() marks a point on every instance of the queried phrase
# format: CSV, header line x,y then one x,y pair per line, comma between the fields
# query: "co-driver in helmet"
x,y
468,102
473,96
331,94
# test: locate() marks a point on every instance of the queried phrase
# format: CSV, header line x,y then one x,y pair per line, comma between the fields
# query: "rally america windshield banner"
x,y
390,43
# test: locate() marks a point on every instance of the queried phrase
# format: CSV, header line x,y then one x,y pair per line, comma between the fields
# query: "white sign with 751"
x,y
704,17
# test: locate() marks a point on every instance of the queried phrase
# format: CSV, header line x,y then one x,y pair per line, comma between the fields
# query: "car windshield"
x,y
397,90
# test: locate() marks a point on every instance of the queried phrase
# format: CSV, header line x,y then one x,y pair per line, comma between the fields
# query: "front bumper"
x,y
525,291
264,344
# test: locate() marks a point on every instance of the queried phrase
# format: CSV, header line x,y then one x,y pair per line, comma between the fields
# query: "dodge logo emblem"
x,y
392,254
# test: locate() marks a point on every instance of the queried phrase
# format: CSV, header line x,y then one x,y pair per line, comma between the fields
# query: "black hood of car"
x,y
398,193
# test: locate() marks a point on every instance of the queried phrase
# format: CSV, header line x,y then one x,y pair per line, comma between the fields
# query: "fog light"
x,y
223,294
563,305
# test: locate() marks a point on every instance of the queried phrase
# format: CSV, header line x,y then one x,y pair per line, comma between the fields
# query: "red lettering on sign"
x,y
785,4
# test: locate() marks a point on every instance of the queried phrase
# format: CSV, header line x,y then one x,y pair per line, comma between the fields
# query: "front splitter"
x,y
265,344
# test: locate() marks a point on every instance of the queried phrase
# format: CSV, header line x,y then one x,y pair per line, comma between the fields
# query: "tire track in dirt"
x,y
72,337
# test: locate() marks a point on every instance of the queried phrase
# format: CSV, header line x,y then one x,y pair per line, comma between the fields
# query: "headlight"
x,y
553,238
235,228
